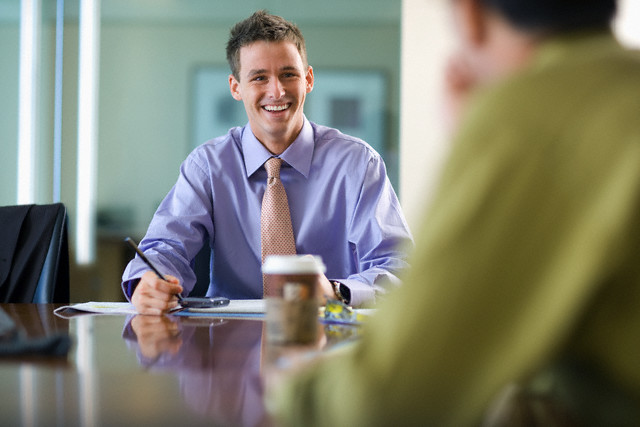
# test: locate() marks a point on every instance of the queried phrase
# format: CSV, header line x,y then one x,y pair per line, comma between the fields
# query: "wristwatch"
x,y
342,292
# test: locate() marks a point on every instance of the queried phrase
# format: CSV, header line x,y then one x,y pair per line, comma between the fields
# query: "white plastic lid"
x,y
293,264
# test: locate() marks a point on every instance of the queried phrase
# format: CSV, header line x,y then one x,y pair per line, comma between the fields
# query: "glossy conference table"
x,y
170,371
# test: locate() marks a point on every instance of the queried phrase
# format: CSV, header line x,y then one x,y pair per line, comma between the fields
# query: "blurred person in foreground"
x,y
525,283
341,203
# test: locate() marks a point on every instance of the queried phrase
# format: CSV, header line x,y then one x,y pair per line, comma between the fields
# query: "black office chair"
x,y
34,254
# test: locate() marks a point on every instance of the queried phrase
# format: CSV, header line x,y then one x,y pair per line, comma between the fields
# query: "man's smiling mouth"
x,y
275,108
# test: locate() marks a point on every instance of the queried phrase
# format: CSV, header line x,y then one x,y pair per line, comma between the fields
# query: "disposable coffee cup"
x,y
292,307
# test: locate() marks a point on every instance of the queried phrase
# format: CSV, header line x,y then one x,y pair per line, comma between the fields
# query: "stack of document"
x,y
236,308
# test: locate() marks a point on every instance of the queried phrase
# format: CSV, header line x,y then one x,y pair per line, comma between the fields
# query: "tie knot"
x,y
273,167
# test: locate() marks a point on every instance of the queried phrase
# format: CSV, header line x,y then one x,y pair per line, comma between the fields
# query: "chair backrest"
x,y
34,254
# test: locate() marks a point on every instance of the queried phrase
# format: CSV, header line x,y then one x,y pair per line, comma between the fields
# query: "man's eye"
x,y
259,78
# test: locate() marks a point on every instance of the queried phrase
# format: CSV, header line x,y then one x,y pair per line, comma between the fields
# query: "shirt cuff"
x,y
362,294
129,288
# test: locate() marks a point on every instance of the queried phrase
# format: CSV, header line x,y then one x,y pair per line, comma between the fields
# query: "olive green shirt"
x,y
530,251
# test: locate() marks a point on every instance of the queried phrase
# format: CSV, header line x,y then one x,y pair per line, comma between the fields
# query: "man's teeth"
x,y
276,107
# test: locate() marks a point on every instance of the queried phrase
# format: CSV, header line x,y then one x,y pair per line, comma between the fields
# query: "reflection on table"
x,y
142,370
217,363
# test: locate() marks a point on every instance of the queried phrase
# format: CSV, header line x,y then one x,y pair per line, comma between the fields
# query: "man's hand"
x,y
324,290
156,335
154,295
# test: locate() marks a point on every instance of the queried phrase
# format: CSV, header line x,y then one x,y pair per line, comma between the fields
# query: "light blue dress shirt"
x,y
342,205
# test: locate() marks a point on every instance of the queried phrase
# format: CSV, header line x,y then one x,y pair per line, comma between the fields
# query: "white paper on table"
x,y
97,308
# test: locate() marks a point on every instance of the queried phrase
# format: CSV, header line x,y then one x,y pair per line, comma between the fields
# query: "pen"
x,y
135,247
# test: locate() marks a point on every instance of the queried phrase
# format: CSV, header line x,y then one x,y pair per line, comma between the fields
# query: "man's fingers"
x,y
146,303
149,306
324,290
156,296
152,281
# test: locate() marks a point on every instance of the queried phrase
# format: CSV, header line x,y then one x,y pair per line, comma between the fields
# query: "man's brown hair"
x,y
262,26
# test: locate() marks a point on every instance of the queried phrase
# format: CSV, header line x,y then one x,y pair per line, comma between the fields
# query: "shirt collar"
x,y
298,155
573,46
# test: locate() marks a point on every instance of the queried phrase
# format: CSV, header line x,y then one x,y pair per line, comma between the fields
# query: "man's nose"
x,y
276,89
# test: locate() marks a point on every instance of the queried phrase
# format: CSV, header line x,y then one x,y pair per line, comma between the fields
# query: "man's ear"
x,y
474,21
309,78
234,86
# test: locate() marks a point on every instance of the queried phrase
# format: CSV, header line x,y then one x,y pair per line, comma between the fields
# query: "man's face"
x,y
273,85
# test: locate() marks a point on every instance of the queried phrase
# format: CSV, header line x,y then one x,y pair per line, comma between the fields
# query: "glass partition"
x,y
27,100
9,72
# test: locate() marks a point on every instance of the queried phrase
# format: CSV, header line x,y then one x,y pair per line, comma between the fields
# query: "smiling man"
x,y
341,203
